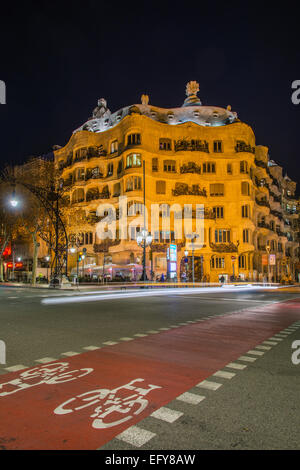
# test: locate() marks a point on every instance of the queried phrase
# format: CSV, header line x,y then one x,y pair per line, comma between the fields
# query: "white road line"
x,y
69,353
182,324
235,365
15,368
256,353
152,332
275,339
140,335
44,360
281,335
12,297
223,374
126,339
91,348
207,384
266,348
135,436
247,358
166,414
164,329
271,343
110,343
190,398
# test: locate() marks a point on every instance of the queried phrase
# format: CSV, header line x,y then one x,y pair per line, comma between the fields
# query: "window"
x,y
242,262
245,188
170,166
246,235
243,167
245,211
114,146
120,166
135,208
110,169
229,168
167,236
160,187
218,146
154,164
133,160
117,189
218,212
222,236
78,195
133,183
79,174
209,167
216,189
165,144
217,262
134,139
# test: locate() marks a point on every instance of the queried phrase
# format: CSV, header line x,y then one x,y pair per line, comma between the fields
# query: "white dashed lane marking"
x,y
69,353
45,360
207,384
135,436
235,365
91,348
256,353
166,414
15,368
190,398
247,358
223,374
265,348
110,343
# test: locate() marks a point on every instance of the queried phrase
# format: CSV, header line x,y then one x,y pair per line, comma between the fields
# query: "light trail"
x,y
147,293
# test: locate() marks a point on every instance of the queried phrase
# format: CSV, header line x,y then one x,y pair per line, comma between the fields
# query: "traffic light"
x,y
80,256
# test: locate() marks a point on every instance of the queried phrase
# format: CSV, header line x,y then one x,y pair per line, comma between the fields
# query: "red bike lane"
x,y
148,372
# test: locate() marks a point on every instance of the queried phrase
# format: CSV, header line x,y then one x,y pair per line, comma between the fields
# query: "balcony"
x,y
192,145
262,202
182,189
224,247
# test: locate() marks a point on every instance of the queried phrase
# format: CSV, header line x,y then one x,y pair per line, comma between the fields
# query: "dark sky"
x,y
58,58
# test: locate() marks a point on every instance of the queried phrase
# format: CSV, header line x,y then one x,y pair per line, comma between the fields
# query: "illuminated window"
x,y
133,160
114,146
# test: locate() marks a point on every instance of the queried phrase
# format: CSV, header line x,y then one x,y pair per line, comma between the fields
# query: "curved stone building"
x,y
192,155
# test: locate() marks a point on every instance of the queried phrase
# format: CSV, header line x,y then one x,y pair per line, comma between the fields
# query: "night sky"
x,y
58,58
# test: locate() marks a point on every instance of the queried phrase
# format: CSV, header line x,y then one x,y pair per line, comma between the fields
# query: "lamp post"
x,y
144,240
47,258
193,236
186,253
268,251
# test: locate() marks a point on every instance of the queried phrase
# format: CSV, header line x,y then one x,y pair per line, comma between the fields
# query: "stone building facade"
x,y
192,155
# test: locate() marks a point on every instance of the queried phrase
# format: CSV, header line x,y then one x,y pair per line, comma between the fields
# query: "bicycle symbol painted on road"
x,y
127,400
50,374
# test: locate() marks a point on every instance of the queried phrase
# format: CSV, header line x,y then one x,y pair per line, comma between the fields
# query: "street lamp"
x,y
13,200
144,239
192,236
268,248
186,253
47,258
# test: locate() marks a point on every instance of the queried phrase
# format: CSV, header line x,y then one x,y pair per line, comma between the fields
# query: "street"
x,y
176,370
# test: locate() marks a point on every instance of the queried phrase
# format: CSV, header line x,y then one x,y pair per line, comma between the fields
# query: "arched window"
x,y
133,160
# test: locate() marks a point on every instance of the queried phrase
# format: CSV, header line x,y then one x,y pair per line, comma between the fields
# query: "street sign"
x,y
272,260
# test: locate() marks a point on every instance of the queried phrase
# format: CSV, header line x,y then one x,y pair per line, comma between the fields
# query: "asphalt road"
x,y
257,408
